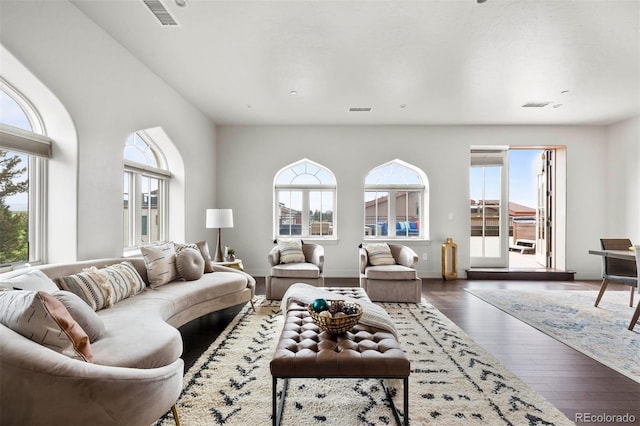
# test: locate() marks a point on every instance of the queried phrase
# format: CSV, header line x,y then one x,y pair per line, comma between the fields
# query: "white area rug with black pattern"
x,y
453,381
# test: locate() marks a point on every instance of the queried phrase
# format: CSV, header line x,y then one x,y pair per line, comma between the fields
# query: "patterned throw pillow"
x,y
90,286
379,254
42,318
290,250
101,288
160,261
124,279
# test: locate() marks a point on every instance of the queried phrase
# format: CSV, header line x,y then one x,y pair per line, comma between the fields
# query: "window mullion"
x,y
392,213
137,209
305,213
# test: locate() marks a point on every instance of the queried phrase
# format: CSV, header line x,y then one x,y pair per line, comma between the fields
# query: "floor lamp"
x,y
219,218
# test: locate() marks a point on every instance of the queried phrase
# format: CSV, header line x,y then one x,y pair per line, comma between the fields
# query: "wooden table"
x,y
235,264
624,255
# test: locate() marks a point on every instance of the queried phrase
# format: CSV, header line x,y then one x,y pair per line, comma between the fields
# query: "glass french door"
x,y
544,210
489,208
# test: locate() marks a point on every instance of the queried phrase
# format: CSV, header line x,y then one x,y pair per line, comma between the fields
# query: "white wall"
x,y
109,94
253,154
623,180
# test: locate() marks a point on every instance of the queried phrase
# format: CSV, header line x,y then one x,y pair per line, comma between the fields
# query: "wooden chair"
x,y
617,270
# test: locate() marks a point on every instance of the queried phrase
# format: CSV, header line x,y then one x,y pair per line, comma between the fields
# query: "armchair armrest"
x,y
314,253
274,256
364,260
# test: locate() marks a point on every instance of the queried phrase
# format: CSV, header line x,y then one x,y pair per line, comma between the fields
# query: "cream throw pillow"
x,y
379,254
291,250
160,261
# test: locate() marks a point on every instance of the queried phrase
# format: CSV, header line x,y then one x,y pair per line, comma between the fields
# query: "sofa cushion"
x,y
379,254
160,262
290,250
295,270
44,319
82,313
34,280
390,272
190,264
151,343
206,255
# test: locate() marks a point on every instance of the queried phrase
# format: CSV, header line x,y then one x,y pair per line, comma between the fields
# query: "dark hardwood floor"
x,y
579,386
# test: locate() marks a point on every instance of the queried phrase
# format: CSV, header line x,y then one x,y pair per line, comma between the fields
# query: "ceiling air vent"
x,y
160,12
360,109
535,104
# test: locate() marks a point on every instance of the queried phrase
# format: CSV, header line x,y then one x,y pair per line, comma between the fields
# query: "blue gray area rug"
x,y
570,317
453,381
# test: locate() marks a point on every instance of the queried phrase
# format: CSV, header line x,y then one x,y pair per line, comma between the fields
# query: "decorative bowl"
x,y
337,324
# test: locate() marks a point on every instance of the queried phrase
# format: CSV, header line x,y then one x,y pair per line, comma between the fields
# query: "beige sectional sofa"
x,y
136,374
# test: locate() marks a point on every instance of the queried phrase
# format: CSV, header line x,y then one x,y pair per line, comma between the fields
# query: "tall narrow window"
x,y
145,192
305,199
394,201
24,150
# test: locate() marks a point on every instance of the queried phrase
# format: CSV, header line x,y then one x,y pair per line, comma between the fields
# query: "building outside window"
x,y
395,199
24,150
305,199
145,194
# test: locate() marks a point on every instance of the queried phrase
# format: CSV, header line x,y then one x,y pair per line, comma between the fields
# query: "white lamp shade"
x,y
219,218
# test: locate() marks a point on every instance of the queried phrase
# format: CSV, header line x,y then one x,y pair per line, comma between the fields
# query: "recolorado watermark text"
x,y
604,418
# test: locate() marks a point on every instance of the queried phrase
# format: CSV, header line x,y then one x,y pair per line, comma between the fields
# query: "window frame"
x,y
305,191
133,215
393,191
36,145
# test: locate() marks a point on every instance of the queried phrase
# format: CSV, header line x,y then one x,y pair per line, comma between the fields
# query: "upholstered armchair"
x,y
283,275
390,282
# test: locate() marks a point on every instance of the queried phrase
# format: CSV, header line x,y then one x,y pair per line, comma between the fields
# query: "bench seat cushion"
x,y
390,272
295,270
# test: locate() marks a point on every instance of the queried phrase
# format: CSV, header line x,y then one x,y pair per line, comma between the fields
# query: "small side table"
x,y
236,264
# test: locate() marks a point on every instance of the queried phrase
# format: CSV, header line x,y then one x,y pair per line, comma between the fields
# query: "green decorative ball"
x,y
320,305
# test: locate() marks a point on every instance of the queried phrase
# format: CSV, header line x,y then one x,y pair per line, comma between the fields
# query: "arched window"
x,y
145,191
24,150
395,201
305,200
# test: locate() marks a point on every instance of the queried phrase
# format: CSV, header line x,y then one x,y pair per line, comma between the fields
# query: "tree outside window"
x,y
23,153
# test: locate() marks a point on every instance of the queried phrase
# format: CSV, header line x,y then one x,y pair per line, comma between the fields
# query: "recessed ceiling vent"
x,y
160,12
360,109
535,104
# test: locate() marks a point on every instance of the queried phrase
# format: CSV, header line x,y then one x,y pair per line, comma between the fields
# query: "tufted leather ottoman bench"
x,y
305,351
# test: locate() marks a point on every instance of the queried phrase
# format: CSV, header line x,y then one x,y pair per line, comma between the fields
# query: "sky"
x,y
522,179
522,176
